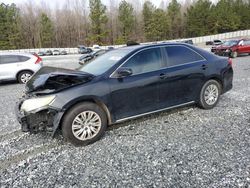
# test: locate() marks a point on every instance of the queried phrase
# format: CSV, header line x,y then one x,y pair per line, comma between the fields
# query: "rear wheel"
x,y
24,76
210,94
84,124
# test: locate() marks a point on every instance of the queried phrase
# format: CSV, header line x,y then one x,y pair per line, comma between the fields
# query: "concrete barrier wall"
x,y
196,40
223,36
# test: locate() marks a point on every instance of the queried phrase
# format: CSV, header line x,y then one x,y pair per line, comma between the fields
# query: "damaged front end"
x,y
35,110
34,118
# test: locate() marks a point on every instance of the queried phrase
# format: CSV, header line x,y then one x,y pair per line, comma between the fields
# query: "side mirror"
x,y
124,72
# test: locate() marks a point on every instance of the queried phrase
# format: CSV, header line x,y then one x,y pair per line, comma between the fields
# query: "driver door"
x,y
138,93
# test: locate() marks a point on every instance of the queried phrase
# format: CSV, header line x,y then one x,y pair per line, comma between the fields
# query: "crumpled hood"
x,y
51,79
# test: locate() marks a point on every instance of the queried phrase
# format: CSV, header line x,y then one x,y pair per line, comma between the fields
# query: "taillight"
x,y
230,62
39,60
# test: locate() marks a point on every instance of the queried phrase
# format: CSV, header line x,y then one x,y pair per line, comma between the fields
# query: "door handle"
x,y
204,67
163,76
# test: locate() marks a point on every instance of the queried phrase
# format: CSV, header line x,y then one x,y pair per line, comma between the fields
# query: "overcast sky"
x,y
54,2
60,3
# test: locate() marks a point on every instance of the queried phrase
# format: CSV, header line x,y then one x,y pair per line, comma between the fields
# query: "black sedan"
x,y
87,57
122,84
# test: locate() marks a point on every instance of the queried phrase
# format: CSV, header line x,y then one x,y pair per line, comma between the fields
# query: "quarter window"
x,y
178,55
23,58
145,61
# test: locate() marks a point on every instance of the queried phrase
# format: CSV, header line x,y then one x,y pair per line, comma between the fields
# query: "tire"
x,y
206,101
77,132
234,54
24,76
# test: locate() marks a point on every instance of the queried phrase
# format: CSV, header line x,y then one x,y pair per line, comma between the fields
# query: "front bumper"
x,y
44,120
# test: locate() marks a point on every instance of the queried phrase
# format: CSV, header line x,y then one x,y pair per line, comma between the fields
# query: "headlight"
x,y
37,103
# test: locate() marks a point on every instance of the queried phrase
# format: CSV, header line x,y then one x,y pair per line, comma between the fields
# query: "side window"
x,y
247,43
178,55
23,58
9,59
145,61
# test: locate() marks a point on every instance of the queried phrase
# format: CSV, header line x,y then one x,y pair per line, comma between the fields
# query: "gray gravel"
x,y
185,147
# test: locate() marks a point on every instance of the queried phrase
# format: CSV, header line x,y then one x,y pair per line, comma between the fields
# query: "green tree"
x,y
242,9
199,19
127,19
9,27
46,31
98,20
175,18
159,26
147,12
226,18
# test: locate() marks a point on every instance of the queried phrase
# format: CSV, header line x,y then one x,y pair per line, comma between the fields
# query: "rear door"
x,y
246,46
138,93
182,77
242,47
8,66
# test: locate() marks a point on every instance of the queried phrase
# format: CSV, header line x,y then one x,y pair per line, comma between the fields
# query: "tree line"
x,y
92,22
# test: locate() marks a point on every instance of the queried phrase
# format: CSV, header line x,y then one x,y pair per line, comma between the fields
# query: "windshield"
x,y
104,62
230,43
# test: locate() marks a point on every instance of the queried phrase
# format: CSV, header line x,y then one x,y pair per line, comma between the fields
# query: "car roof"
x,y
204,53
16,53
142,46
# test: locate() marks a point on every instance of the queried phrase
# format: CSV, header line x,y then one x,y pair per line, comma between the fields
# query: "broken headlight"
x,y
35,104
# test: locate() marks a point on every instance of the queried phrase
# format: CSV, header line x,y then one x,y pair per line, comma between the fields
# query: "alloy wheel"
x,y
211,94
86,125
25,77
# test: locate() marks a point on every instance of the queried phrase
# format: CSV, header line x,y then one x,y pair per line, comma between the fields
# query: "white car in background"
x,y
56,52
19,66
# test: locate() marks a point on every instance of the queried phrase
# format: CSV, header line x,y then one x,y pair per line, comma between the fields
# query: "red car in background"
x,y
233,48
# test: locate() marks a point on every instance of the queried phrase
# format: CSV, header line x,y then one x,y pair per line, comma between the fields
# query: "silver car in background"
x,y
18,66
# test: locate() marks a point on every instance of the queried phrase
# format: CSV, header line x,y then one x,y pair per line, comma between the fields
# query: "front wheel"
x,y
234,54
210,94
85,123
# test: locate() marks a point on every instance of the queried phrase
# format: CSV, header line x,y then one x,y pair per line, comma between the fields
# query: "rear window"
x,y
5,59
178,55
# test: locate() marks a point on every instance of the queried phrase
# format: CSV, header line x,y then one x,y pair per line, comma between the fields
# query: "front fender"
x,y
70,104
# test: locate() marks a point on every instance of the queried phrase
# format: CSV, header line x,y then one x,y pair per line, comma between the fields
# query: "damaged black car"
x,y
121,84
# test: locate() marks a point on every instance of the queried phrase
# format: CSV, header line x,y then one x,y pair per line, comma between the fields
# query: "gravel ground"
x,y
185,147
